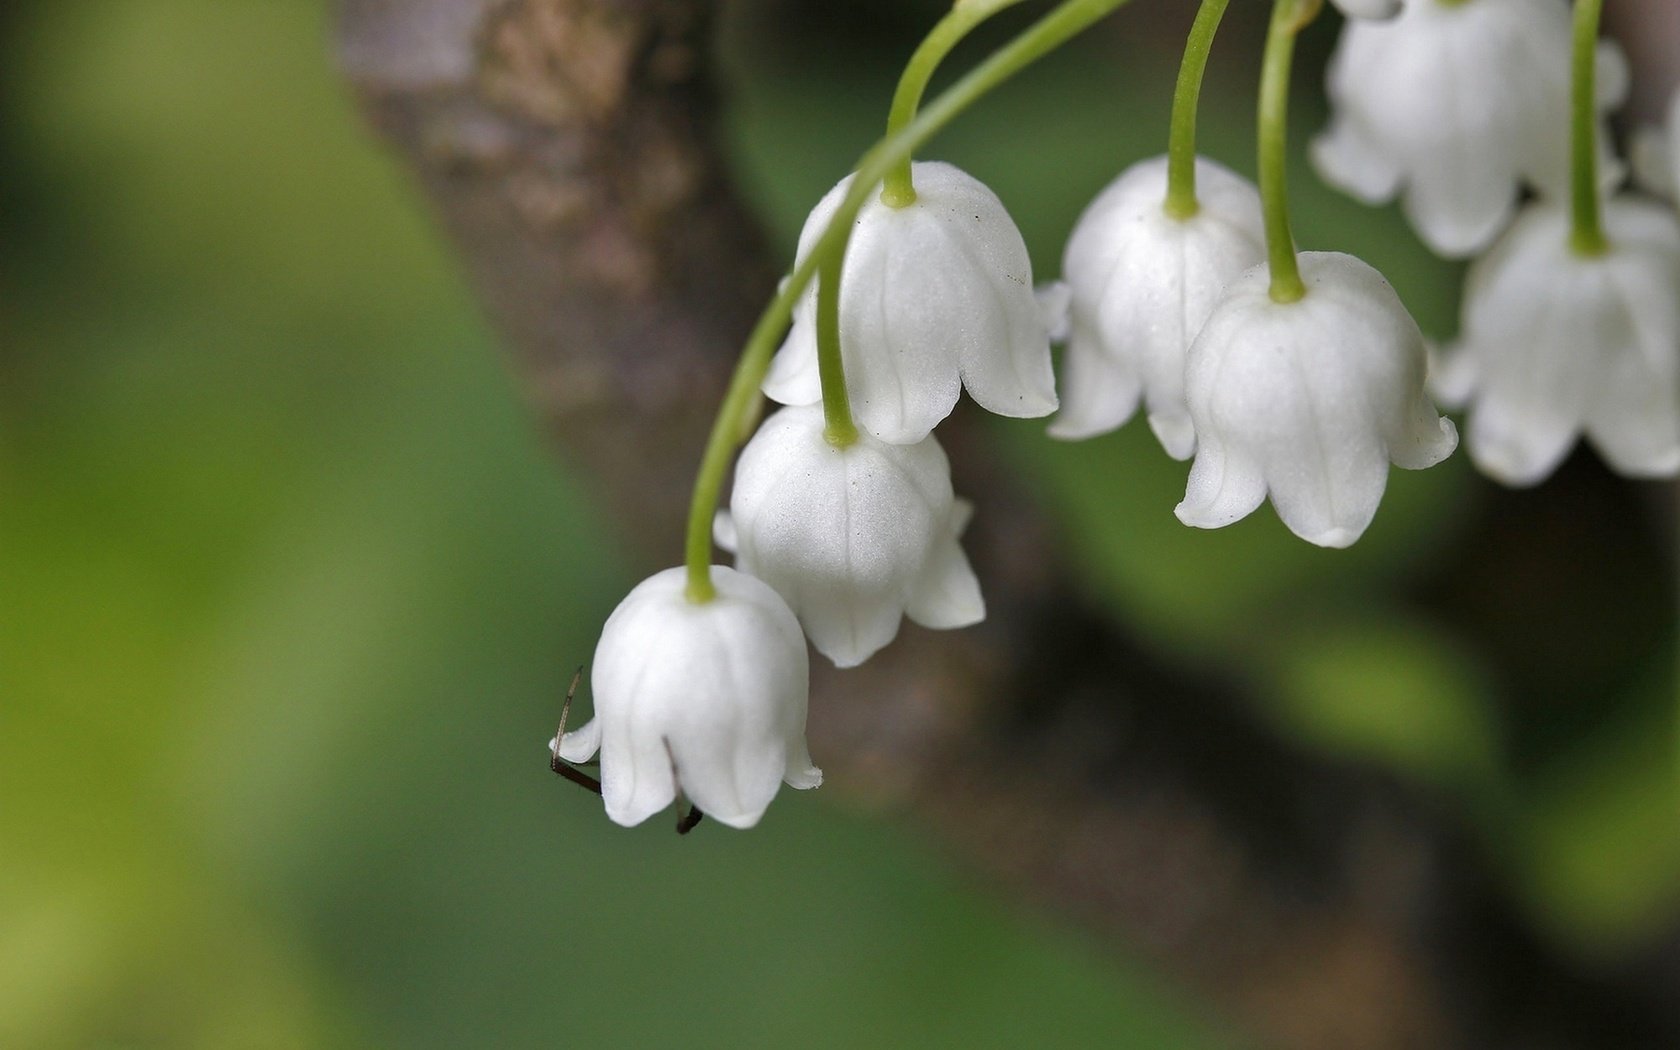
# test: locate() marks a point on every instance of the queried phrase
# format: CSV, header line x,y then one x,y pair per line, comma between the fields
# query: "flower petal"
x,y
1330,499
802,774
1099,393
849,630
1459,201
1176,433
636,776
1054,299
901,371
1347,159
580,744
1452,375
1520,440
1425,438
1019,382
724,533
948,594
732,776
793,378
1641,437
1222,488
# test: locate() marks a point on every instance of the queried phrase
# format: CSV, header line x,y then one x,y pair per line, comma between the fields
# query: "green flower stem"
x,y
899,191
1289,17
1067,20
840,431
1181,141
1586,228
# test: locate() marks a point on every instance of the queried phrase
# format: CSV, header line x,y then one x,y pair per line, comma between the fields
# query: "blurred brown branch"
x,y
568,147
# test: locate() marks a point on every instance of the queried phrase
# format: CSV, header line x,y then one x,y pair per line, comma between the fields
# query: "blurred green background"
x,y
291,588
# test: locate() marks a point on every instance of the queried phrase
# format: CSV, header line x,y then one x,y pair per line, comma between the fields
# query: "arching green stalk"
x,y
1048,33
899,191
1181,141
1289,17
1586,227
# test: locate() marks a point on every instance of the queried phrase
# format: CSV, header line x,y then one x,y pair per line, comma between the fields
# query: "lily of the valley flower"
x,y
708,699
1143,281
855,538
934,297
1554,344
1454,105
1309,401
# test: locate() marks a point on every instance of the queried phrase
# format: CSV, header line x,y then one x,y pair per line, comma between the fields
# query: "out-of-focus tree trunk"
x,y
568,147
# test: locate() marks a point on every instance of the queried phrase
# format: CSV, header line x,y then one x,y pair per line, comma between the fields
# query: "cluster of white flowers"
x,y
1308,400
1457,106
1303,383
843,539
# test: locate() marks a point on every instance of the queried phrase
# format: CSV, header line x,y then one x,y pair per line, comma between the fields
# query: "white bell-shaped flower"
x,y
1455,105
1143,282
1656,154
708,699
855,538
1554,344
934,297
1309,401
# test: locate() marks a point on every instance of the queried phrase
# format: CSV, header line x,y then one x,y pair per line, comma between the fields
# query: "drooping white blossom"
x,y
854,538
1308,401
1453,106
1143,281
708,698
1656,154
935,297
1554,344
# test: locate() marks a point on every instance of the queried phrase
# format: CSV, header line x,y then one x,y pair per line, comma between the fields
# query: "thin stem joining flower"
x,y
1586,230
1181,200
1144,267
840,430
1289,17
899,189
